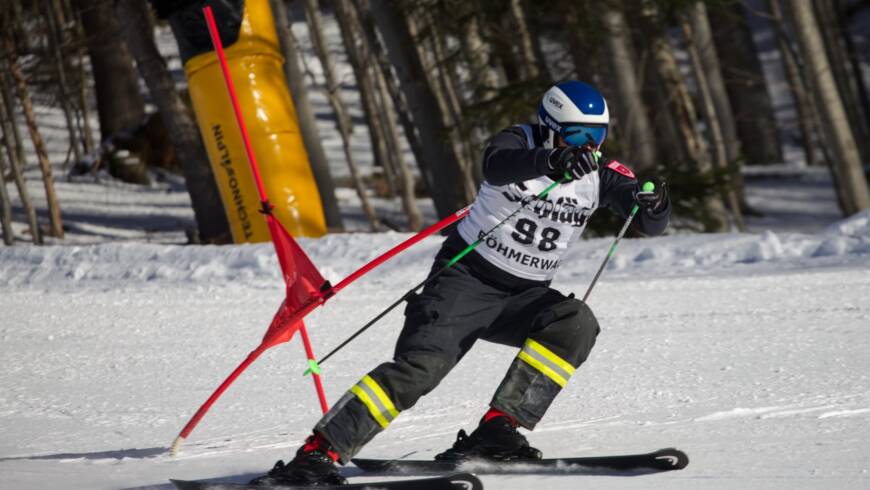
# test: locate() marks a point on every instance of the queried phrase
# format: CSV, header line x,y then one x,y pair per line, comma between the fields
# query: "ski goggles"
x,y
584,134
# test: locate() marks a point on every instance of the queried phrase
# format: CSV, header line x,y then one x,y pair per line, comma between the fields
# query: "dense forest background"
x,y
436,78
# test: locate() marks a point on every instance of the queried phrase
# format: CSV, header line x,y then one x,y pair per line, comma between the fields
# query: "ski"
x,y
455,481
662,460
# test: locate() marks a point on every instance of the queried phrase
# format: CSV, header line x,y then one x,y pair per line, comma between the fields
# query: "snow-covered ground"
x,y
750,352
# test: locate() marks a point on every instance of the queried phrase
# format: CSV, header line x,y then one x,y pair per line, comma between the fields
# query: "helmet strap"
x,y
550,137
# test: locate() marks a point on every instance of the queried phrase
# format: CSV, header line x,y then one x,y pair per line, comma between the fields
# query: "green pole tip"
x,y
313,367
648,187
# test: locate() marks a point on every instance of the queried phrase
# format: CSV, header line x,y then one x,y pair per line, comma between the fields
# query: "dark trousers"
x,y
555,334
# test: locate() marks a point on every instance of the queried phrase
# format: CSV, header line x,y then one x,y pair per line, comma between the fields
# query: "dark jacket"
x,y
508,160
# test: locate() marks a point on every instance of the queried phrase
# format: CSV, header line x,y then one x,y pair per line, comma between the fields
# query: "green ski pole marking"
x,y
313,367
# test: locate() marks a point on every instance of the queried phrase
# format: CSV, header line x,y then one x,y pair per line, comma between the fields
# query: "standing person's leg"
x,y
556,334
441,325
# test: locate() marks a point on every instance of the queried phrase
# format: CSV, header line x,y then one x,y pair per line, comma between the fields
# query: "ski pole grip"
x,y
647,187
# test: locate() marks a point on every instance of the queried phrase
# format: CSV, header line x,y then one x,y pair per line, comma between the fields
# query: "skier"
x,y
499,292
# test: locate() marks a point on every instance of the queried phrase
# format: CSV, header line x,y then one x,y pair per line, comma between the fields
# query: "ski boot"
x,y
495,438
314,465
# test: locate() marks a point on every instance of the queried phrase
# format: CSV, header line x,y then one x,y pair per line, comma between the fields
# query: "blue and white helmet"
x,y
577,112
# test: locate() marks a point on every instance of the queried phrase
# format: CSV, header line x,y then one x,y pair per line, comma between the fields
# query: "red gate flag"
x,y
304,284
300,277
305,287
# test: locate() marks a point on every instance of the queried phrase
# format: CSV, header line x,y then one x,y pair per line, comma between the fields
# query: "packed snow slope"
x,y
749,352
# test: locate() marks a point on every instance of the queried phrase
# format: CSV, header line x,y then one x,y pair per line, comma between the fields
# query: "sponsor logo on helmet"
x,y
556,102
551,123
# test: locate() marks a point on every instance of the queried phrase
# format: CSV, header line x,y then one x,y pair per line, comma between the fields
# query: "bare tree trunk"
x,y
846,165
804,104
467,148
827,13
680,101
745,84
502,39
378,109
675,111
182,129
640,147
315,26
56,223
856,59
391,85
5,206
55,40
7,115
709,110
391,100
84,104
702,38
18,27
307,122
485,82
432,51
533,65
119,104
14,144
588,45
479,57
441,169
357,54
404,177
709,58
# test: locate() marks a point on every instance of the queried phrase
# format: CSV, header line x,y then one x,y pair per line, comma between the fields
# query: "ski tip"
x,y
465,481
671,459
180,484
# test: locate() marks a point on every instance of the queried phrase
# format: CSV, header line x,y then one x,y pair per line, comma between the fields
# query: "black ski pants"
x,y
554,332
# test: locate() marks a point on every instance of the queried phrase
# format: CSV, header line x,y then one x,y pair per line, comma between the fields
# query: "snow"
x,y
748,351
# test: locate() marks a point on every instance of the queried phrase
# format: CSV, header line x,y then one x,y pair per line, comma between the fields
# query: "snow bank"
x,y
339,254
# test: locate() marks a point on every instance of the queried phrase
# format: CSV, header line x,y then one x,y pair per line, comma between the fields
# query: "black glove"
x,y
575,160
655,200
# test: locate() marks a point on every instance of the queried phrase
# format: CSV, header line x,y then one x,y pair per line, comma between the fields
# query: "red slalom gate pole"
x,y
316,375
252,160
237,111
307,309
267,211
458,215
325,294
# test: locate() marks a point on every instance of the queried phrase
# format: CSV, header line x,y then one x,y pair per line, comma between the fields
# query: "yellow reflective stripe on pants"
x,y
376,400
545,361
